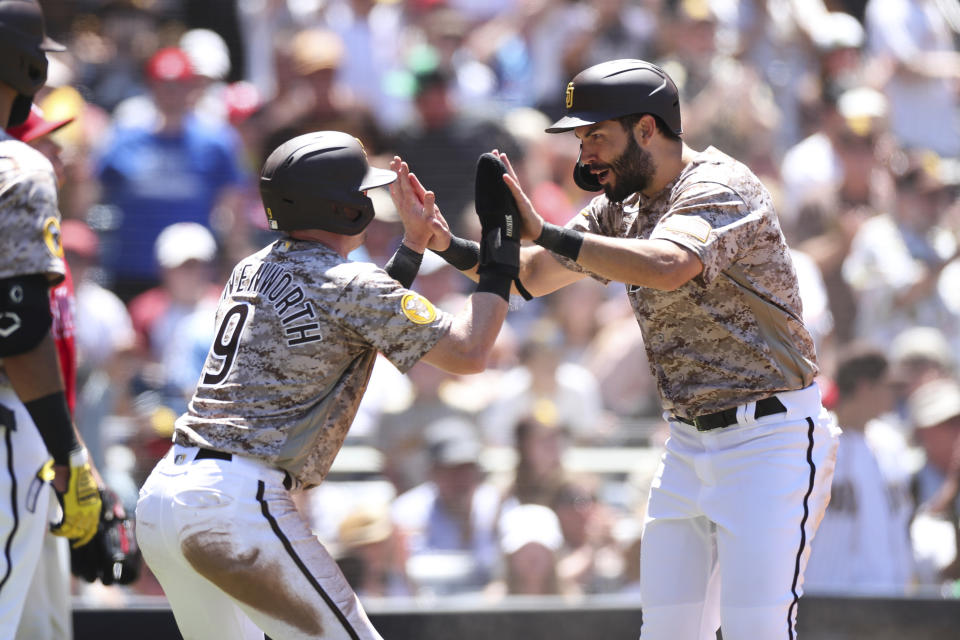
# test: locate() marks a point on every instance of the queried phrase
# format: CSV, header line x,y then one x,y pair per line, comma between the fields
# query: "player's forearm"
x,y
36,378
657,264
467,346
541,273
35,373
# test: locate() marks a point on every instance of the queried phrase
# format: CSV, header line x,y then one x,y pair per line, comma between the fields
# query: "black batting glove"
x,y
499,219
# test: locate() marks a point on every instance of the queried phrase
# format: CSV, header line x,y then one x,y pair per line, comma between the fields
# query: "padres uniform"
x,y
49,615
298,329
732,510
29,244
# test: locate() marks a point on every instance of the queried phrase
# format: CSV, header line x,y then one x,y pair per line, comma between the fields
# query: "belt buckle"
x,y
698,425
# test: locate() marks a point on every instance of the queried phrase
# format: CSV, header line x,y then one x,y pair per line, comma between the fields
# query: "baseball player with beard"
x,y
35,422
745,478
298,330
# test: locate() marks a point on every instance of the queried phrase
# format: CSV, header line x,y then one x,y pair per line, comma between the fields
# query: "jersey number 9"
x,y
224,348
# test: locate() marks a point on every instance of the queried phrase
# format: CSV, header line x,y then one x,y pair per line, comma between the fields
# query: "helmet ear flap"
x,y
20,110
582,176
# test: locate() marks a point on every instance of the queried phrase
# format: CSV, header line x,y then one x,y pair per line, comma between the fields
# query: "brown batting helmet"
x,y
613,89
318,181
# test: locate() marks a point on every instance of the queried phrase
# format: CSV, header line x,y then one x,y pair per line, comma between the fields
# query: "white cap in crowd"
x,y
183,241
927,344
530,523
934,403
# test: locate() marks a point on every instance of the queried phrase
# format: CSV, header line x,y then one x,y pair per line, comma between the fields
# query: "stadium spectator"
x,y
443,142
896,258
539,441
450,521
172,320
530,540
913,39
313,97
590,560
371,554
935,531
176,168
863,544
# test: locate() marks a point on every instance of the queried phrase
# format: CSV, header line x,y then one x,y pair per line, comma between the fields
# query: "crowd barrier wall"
x,y
821,618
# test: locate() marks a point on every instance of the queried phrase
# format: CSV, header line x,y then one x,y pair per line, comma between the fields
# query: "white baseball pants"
x,y
731,515
25,514
49,614
235,558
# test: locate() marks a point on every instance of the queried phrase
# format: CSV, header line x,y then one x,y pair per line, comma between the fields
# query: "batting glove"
x,y
80,503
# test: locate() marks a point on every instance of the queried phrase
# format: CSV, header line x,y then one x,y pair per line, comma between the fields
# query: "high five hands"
x,y
423,224
532,222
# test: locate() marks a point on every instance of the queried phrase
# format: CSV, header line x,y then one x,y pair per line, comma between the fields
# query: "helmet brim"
x,y
49,44
377,178
570,122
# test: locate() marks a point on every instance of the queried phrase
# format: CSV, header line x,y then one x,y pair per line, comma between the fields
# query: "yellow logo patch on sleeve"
x,y
696,228
418,309
51,236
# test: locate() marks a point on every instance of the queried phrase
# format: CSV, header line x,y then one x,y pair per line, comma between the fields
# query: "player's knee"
x,y
672,622
749,623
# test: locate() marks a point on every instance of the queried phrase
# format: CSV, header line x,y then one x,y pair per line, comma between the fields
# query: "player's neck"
x,y
671,160
338,242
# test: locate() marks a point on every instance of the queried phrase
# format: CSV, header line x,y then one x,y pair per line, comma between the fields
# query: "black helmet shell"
x,y
23,43
618,88
317,181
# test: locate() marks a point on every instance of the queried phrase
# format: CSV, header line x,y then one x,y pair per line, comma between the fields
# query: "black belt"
x,y
706,422
223,455
210,453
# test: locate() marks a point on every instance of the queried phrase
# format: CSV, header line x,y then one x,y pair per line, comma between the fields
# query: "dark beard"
x,y
633,170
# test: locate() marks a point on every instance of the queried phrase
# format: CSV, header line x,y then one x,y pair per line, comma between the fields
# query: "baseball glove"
x,y
499,219
112,556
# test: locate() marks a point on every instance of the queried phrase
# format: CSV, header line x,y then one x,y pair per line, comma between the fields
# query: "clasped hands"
x,y
424,224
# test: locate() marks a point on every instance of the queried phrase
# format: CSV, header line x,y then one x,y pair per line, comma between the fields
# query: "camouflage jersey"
x,y
29,216
734,333
298,329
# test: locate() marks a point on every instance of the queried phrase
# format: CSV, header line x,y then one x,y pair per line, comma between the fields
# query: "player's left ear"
x,y
644,129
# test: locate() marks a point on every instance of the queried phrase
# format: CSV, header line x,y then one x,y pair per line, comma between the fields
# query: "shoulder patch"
x,y
418,309
696,228
51,236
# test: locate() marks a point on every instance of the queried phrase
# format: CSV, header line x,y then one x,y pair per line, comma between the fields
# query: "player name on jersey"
x,y
277,285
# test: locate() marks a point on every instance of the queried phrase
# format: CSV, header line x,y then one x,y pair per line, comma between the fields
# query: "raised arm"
x,y
658,264
467,346
423,227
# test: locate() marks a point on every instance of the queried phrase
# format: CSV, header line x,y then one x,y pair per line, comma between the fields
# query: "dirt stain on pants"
x,y
245,576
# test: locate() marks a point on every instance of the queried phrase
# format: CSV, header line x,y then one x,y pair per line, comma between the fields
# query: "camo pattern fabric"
x,y
29,215
30,240
298,331
734,333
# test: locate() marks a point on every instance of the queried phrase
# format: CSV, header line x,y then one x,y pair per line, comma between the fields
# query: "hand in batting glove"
x,y
80,502
112,555
499,219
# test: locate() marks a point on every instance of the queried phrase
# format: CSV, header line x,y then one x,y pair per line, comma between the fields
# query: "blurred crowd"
x,y
509,482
